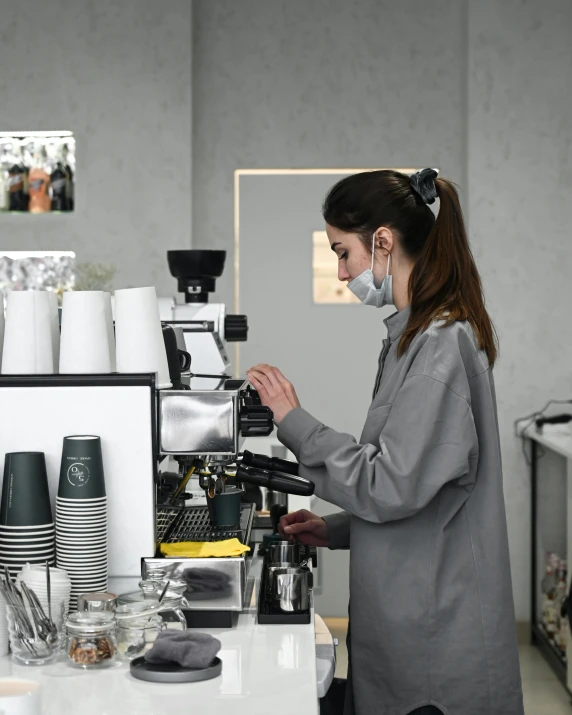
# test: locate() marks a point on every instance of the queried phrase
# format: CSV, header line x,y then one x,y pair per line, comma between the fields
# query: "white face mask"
x,y
363,287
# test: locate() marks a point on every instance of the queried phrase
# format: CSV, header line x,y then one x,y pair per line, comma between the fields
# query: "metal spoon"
x,y
164,591
49,587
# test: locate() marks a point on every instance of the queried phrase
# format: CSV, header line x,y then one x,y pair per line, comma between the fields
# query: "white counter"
x,y
266,669
558,438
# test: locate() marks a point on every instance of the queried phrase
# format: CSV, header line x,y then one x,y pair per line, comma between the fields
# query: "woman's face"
x,y
353,256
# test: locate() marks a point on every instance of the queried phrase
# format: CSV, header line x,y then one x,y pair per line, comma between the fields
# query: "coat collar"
x,y
397,323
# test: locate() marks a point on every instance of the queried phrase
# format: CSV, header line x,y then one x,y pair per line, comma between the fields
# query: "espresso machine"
x,y
202,429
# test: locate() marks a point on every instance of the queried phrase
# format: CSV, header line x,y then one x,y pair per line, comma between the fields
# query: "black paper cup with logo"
x,y
25,494
81,473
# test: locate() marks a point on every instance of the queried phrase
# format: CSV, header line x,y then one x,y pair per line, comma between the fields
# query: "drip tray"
x,y
175,524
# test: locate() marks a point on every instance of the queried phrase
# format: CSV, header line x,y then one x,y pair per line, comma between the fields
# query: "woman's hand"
x,y
307,528
274,389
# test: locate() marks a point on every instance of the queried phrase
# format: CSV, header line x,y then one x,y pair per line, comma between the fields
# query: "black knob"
x,y
236,328
256,421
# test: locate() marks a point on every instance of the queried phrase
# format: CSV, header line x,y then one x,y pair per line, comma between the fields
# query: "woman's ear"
x,y
384,239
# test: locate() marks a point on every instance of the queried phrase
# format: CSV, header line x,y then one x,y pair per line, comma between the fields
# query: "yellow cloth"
x,y
205,549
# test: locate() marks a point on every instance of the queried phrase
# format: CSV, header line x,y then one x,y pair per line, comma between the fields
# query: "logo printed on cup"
x,y
78,475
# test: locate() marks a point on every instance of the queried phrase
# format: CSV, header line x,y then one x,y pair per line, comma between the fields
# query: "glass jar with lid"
x,y
91,640
137,629
169,608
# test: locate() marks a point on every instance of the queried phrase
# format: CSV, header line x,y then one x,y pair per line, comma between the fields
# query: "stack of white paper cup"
x,y
110,331
138,334
28,344
55,326
35,577
1,325
84,346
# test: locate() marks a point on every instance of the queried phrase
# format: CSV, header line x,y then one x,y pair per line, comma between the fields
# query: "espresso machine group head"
x,y
204,430
206,326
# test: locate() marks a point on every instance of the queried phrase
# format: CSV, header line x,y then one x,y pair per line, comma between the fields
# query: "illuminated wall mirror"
x,y
36,270
37,172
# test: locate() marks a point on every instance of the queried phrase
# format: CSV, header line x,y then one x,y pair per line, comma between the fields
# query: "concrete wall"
x,y
291,83
119,76
520,179
481,90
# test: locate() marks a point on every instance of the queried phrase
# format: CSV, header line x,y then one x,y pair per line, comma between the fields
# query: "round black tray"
x,y
173,673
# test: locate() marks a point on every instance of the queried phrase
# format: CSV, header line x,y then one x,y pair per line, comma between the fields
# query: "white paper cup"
x,y
97,584
55,574
81,558
138,334
58,592
84,345
34,529
94,567
25,552
82,512
63,500
55,327
31,540
2,319
28,346
67,531
75,530
28,556
110,330
75,540
19,697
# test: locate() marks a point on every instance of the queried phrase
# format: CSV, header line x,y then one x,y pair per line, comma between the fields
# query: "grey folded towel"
x,y
186,648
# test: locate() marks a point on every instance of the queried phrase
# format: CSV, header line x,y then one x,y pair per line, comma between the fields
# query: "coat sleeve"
x,y
338,530
429,439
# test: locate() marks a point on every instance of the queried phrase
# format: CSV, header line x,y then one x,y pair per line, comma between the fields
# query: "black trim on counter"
x,y
107,380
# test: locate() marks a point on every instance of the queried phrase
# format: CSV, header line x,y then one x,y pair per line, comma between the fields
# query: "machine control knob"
x,y
236,328
256,421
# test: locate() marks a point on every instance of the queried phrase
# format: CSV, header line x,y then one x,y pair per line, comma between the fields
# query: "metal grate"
x,y
164,517
193,524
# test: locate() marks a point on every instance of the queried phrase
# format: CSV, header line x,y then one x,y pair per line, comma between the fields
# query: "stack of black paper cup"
x,y
26,521
81,516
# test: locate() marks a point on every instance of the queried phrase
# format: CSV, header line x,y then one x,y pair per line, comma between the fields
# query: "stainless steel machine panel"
x,y
213,415
213,584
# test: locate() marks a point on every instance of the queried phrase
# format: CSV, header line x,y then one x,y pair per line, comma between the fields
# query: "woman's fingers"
x,y
270,373
303,527
261,379
295,517
281,379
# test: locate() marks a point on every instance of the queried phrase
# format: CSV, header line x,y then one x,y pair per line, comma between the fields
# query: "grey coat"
x,y
431,607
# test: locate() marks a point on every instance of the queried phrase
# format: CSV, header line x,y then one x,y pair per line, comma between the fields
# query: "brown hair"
x,y
444,283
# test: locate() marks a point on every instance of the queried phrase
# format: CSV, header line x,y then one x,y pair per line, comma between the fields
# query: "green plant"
x,y
94,276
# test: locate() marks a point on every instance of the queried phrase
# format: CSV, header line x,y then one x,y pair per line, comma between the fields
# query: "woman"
x,y
431,610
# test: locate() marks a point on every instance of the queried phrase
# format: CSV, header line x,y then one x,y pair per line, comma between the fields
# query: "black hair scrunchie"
x,y
423,183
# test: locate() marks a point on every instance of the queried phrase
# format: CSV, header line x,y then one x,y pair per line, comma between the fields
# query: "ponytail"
x,y
445,283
